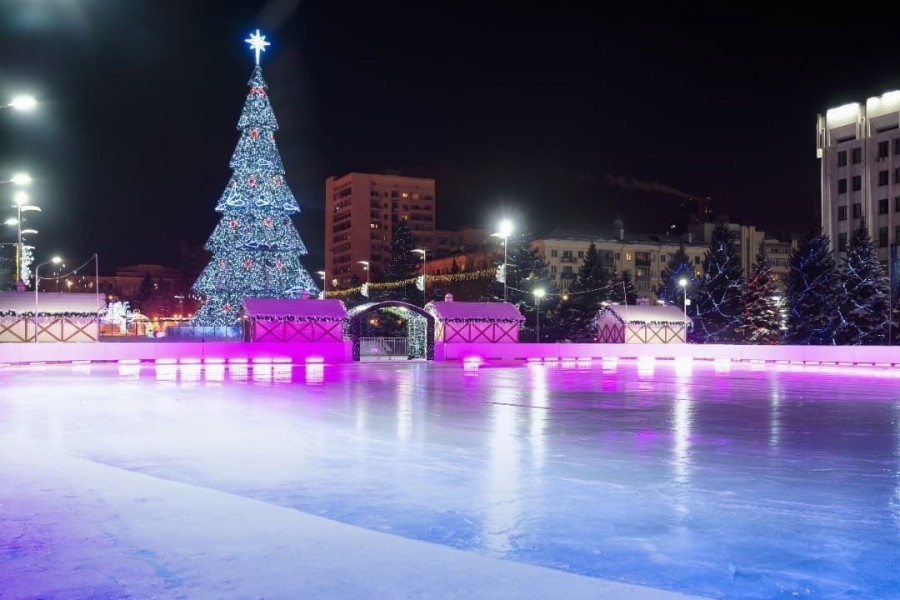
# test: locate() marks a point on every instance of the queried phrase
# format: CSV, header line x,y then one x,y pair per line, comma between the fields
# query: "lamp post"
x,y
324,282
505,230
424,253
683,283
37,281
21,199
365,265
538,294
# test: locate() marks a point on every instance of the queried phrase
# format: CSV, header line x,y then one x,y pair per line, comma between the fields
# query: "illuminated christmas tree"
x,y
255,248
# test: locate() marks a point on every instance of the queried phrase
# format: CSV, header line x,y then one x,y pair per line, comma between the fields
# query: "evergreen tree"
x,y
621,290
811,293
403,265
679,267
144,292
719,299
761,322
862,294
586,295
255,247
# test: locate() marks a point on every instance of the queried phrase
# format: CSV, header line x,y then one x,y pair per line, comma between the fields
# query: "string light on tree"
x,y
255,247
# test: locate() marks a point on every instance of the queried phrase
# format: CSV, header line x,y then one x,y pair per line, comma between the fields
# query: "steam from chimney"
x,y
628,183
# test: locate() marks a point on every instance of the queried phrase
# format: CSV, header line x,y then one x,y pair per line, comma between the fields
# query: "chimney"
x,y
619,227
448,298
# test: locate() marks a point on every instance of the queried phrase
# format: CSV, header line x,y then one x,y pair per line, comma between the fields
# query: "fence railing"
x,y
383,347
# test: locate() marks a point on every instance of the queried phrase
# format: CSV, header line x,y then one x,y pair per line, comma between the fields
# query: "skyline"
x,y
533,113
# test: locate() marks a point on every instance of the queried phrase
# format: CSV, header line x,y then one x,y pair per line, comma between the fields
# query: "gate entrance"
x,y
418,343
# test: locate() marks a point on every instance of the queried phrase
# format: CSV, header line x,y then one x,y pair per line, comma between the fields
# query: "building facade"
x,y
644,257
361,212
858,147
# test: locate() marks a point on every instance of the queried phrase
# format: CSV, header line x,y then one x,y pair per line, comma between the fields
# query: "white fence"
x,y
383,347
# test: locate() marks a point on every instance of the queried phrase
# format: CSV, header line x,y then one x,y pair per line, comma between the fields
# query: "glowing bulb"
x,y
21,179
24,103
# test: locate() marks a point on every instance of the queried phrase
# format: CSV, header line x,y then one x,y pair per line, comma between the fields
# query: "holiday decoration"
x,y
811,293
402,265
256,249
760,323
719,305
862,298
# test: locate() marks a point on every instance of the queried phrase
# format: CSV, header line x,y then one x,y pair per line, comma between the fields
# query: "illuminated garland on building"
x,y
255,248
388,285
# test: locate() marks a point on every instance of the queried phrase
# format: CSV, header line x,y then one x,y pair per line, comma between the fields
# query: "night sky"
x,y
512,108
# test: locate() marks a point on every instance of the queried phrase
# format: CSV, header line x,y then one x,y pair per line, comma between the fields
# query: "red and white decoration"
x,y
258,92
468,322
251,181
277,180
254,134
232,224
621,324
268,222
296,321
248,263
64,317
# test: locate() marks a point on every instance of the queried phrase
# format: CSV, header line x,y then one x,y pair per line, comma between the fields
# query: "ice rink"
x,y
383,480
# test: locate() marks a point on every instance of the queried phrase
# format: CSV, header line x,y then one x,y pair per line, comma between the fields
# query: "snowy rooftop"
x,y
472,311
51,302
645,314
296,309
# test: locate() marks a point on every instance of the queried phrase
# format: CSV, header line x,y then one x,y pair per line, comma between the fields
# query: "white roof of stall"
x,y
637,315
273,308
475,311
51,302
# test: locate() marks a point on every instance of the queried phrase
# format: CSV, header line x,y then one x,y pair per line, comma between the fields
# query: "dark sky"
x,y
512,108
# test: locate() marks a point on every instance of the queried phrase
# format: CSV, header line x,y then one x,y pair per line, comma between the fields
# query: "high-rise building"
x,y
858,146
361,212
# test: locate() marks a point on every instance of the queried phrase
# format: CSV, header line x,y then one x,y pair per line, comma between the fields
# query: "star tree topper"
x,y
257,43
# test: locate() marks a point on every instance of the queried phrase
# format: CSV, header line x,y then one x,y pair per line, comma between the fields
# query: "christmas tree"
x,y
811,293
255,248
585,297
761,323
621,290
679,267
719,299
403,265
863,303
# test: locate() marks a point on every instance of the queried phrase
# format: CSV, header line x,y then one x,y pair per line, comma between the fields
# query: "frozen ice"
x,y
449,480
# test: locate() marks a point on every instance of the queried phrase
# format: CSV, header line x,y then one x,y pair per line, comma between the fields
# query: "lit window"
x,y
628,256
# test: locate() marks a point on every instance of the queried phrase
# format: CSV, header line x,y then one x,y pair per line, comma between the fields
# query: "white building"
x,y
858,146
643,256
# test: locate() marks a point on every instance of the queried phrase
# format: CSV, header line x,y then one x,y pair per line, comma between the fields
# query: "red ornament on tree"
x,y
226,307
222,264
251,181
232,224
277,180
268,222
257,91
248,263
278,264
254,134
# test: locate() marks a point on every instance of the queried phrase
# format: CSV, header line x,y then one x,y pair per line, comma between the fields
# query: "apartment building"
x,y
643,256
858,147
361,212
748,240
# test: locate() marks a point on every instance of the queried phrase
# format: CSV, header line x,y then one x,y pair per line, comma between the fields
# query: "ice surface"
x,y
720,481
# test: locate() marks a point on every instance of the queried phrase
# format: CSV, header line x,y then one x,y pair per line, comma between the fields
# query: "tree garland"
x,y
387,285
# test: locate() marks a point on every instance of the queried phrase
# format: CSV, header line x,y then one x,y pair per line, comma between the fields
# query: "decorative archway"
x,y
357,315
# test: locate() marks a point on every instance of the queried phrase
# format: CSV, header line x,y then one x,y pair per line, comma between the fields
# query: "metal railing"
x,y
383,347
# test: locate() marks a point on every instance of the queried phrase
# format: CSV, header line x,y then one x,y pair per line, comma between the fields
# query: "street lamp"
x,y
37,282
324,282
18,179
21,199
424,253
22,103
365,265
505,230
538,294
683,283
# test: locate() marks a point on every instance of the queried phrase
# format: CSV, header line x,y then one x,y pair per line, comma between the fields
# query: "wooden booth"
x,y
303,320
475,322
61,317
628,324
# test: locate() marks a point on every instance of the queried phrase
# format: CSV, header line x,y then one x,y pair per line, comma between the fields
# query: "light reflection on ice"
x,y
501,497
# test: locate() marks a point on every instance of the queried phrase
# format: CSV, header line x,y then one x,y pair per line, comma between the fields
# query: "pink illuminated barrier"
x,y
175,353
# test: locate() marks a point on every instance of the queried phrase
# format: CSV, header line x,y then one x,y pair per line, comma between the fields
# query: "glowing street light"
x,y
18,179
12,221
324,283
538,294
21,205
504,231
37,281
22,103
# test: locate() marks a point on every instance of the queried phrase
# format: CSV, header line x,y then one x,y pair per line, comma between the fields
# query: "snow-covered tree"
x,y
679,268
812,293
863,303
621,290
585,296
719,299
761,323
